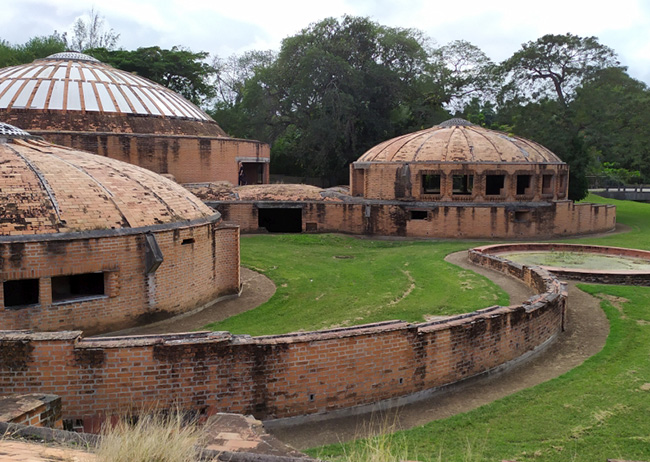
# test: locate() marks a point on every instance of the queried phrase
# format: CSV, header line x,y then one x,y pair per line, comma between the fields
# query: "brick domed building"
x,y
453,180
74,100
92,243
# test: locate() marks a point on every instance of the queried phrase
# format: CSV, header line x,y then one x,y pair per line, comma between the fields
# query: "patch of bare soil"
x,y
586,332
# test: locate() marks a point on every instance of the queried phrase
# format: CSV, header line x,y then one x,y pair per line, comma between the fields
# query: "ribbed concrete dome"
x,y
78,82
51,189
458,140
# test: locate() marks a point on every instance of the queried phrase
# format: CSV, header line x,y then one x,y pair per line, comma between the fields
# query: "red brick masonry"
x,y
285,375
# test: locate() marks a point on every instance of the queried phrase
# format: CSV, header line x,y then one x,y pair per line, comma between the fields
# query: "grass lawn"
x,y
332,280
599,410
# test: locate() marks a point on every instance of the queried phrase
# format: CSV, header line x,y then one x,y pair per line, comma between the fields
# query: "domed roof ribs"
x,y
109,194
43,181
470,146
417,151
487,138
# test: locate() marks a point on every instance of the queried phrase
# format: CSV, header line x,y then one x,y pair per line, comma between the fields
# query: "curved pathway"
x,y
586,332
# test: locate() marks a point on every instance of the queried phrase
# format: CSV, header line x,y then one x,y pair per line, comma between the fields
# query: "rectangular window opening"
x,y
188,241
523,216
547,184
462,184
20,293
430,183
77,286
523,184
494,184
418,214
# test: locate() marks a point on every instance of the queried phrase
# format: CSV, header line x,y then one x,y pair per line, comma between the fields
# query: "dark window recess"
x,y
494,185
523,216
462,184
311,226
523,184
419,214
280,220
430,184
188,241
77,286
19,293
547,184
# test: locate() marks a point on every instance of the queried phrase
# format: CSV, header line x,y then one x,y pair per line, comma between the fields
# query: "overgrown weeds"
x,y
152,436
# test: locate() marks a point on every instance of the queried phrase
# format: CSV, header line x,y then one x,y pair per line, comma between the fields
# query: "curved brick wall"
x,y
625,277
201,262
286,375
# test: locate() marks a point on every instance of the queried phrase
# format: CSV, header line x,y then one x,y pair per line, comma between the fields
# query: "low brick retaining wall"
x,y
620,277
285,375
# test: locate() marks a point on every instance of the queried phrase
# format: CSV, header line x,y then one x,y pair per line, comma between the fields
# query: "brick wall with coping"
x,y
444,220
190,159
284,375
201,263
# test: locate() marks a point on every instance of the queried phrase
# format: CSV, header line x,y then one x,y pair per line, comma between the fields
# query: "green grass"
x,y
326,281
598,410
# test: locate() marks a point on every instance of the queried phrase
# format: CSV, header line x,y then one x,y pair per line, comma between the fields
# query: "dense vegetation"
x,y
343,85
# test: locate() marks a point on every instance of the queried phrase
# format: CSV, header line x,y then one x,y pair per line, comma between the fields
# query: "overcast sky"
x,y
225,27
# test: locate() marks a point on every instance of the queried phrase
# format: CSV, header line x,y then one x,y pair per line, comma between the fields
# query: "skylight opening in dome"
x,y
74,98
41,95
23,97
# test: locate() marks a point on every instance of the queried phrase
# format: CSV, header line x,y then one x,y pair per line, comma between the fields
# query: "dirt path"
x,y
586,332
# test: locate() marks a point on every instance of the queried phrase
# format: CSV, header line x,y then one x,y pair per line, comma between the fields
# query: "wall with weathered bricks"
x,y
190,159
527,220
36,410
403,181
201,263
279,376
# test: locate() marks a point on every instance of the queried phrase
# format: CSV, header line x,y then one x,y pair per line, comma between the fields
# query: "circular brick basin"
x,y
588,263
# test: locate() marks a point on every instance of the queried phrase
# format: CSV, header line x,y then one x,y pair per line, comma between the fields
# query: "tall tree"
x,y
556,65
612,111
339,87
179,69
91,32
464,73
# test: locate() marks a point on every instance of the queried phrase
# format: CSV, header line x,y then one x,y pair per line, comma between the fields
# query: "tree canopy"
x,y
342,85
179,69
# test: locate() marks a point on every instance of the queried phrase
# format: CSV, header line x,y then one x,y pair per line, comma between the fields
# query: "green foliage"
x,y
613,111
179,69
328,281
597,411
556,65
34,48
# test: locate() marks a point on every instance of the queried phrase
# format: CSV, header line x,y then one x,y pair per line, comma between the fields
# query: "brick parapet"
x,y
283,375
525,220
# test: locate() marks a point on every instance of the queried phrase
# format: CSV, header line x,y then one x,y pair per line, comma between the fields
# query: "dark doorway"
x,y
280,220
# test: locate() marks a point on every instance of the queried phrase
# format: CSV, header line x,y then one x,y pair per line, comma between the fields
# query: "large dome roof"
x,y
459,141
52,189
73,81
